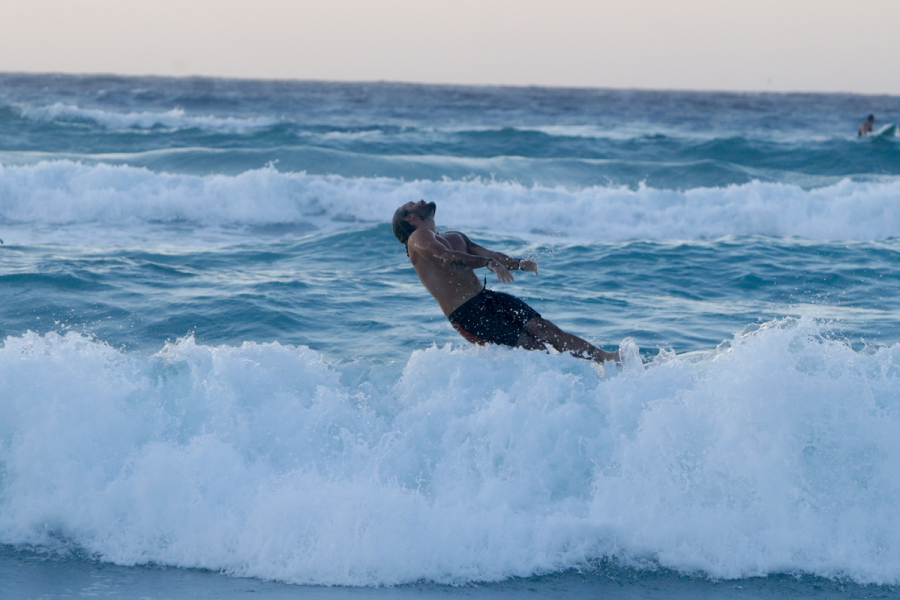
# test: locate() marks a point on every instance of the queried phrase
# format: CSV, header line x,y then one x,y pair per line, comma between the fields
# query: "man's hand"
x,y
528,264
500,271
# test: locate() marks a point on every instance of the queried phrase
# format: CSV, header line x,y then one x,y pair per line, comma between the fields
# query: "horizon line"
x,y
441,84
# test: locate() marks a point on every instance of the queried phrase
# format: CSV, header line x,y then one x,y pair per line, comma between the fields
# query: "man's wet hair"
x,y
871,118
402,229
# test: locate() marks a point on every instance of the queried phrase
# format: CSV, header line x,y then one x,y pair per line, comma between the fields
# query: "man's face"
x,y
423,210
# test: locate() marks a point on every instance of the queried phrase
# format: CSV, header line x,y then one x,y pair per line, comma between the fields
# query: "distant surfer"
x,y
446,262
867,127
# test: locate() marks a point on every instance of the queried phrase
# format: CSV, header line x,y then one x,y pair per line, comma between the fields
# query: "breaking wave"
x,y
66,192
775,453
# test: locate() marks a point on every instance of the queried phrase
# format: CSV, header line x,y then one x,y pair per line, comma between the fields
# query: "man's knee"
x,y
538,326
530,342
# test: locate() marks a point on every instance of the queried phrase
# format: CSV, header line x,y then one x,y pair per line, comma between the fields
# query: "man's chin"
x,y
428,212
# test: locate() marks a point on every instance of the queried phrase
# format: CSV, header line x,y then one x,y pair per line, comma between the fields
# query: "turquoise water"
x,y
216,356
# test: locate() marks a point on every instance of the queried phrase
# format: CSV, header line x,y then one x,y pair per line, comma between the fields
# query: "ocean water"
x,y
219,372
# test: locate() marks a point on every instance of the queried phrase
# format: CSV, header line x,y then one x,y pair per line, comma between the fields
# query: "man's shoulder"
x,y
420,235
420,239
454,233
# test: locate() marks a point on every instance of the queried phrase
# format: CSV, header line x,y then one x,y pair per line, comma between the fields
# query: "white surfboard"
x,y
888,130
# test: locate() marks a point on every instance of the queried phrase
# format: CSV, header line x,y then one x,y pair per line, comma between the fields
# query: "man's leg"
x,y
529,342
542,330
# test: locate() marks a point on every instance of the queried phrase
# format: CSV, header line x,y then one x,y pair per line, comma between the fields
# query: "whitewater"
x,y
216,356
468,465
66,193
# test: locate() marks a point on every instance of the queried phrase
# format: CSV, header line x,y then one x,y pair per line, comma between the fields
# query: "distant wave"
x,y
776,453
65,192
174,119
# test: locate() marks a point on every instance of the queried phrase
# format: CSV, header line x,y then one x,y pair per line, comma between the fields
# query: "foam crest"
x,y
775,453
172,119
65,192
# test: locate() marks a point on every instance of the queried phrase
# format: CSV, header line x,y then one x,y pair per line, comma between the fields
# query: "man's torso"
x,y
450,286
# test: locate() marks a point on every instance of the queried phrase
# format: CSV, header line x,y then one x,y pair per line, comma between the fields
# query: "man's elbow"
x,y
455,262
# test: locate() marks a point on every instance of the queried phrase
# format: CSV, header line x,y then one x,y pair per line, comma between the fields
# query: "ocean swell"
x,y
171,119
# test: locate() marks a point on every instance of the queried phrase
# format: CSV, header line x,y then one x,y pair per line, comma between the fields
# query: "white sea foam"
x,y
776,453
176,118
65,192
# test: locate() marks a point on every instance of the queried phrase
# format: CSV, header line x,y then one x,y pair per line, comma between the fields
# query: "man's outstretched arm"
x,y
426,246
521,264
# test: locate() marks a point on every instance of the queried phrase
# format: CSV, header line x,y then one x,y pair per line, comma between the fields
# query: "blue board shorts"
x,y
492,318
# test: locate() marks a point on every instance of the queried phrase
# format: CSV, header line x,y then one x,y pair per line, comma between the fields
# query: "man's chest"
x,y
451,241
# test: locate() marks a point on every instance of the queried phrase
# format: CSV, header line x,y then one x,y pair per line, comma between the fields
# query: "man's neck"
x,y
429,225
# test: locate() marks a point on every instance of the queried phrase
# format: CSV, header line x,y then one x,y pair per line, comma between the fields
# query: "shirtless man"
x,y
445,264
867,126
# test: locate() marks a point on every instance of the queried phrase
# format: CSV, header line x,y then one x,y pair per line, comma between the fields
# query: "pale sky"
x,y
752,45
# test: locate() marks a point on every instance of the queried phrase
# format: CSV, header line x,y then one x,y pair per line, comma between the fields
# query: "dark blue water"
x,y
216,356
